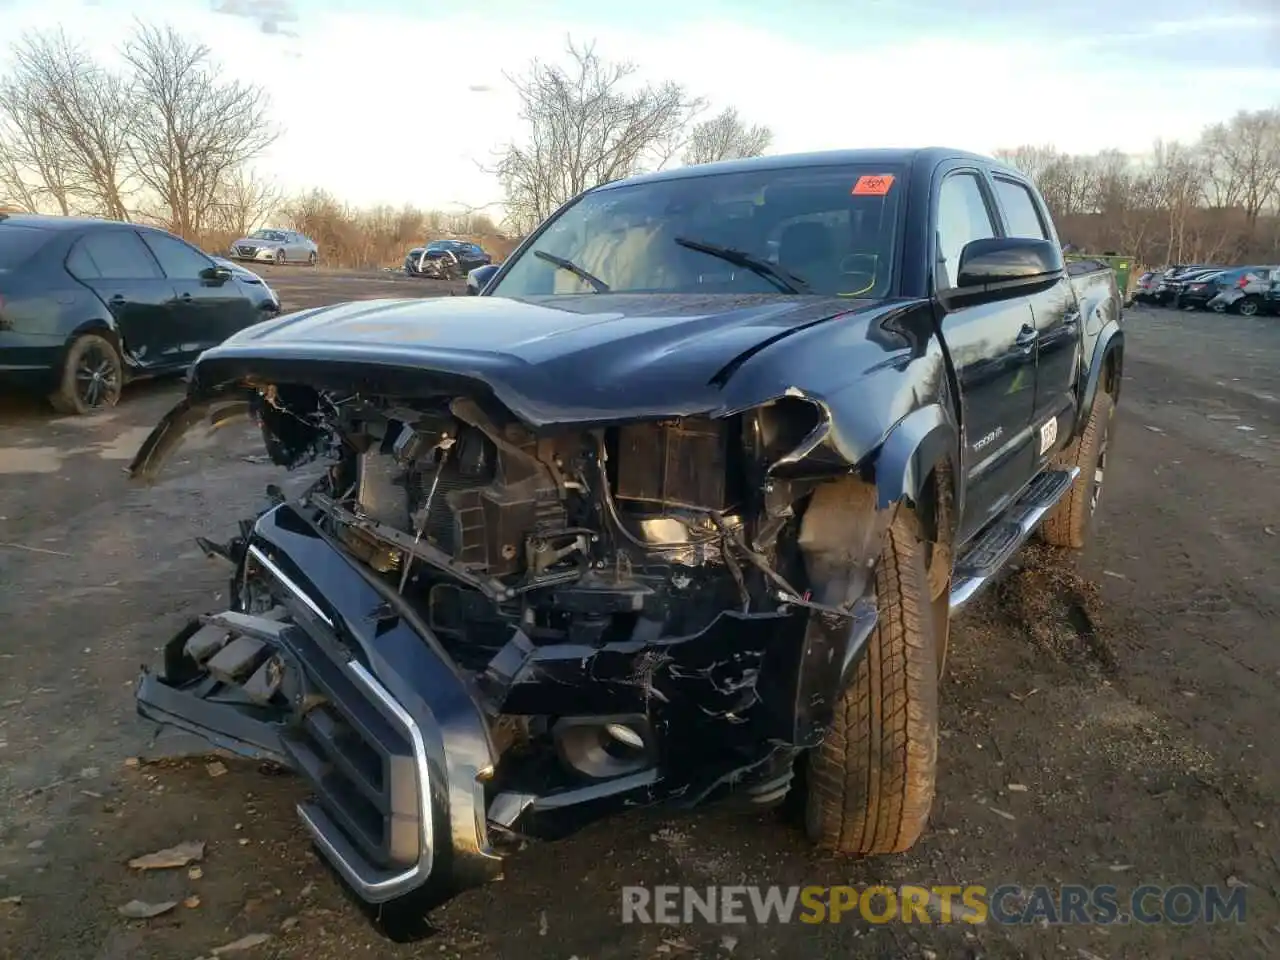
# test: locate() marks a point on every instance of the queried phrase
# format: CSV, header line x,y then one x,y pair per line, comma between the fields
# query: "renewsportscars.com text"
x,y
972,904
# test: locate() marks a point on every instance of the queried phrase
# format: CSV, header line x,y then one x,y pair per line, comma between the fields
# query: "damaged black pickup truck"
x,y
676,509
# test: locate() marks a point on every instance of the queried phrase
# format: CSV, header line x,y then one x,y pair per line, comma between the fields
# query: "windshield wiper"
x,y
598,285
785,280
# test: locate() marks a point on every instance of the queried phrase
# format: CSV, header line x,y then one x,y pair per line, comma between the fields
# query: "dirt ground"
x,y
1134,697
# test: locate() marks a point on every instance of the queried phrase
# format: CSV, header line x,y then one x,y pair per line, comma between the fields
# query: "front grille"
x,y
355,754
247,251
361,768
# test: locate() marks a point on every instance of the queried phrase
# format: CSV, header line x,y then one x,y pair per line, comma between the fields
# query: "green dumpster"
x,y
1123,266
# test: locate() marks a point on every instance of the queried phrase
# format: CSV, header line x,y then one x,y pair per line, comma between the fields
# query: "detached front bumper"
x,y
354,692
368,711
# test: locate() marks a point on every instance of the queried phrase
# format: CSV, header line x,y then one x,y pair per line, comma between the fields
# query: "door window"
x,y
963,216
118,255
180,262
80,263
1021,214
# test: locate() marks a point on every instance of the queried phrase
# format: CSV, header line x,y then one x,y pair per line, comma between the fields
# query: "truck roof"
x,y
822,158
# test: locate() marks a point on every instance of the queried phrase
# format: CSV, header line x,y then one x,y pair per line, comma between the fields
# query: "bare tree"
x,y
726,137
243,202
67,124
18,189
1033,161
586,124
1244,158
193,131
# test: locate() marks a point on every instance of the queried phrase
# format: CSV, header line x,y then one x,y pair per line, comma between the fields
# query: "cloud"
x,y
268,14
480,88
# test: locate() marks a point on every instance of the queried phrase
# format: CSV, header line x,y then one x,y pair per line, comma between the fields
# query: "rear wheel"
x,y
311,259
1249,307
871,780
1071,521
279,256
92,376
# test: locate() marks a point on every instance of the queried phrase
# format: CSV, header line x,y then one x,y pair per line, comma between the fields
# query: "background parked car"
x,y
1145,288
1271,302
271,245
1198,289
1247,295
86,305
445,259
1170,285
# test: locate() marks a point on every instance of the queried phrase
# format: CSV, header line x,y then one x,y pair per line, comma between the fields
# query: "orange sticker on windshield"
x,y
876,185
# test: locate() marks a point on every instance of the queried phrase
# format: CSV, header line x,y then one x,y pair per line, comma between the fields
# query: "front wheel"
x,y
92,376
871,780
279,257
1248,307
311,259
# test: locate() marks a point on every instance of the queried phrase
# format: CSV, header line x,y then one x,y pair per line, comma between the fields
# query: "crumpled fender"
x,y
222,405
912,449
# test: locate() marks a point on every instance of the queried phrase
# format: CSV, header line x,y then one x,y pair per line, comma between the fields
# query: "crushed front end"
x,y
467,631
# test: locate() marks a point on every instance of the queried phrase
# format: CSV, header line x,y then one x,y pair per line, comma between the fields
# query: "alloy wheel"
x,y
97,378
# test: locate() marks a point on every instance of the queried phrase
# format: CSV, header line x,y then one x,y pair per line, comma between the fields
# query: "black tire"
x,y
1071,521
1250,306
871,780
279,257
91,379
311,259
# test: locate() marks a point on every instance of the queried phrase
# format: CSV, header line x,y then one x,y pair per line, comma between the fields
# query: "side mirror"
x,y
216,274
997,264
478,278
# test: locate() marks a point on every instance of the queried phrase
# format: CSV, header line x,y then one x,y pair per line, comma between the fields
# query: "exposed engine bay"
x,y
615,534
467,625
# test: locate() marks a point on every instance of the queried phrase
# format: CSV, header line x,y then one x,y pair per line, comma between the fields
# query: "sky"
x,y
407,102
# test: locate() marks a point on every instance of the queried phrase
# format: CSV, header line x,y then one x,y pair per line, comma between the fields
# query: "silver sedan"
x,y
275,246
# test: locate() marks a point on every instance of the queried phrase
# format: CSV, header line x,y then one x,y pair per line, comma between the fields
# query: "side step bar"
x,y
995,545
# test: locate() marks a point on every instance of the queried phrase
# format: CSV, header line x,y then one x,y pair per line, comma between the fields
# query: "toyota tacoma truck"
x,y
677,508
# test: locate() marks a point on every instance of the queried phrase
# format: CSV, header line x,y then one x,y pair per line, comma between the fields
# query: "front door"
x,y
208,310
1056,315
992,347
116,265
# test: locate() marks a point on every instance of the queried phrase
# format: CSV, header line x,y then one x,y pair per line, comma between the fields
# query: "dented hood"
x,y
592,358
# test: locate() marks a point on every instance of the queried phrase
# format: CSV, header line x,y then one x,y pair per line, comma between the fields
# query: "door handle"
x,y
1071,319
185,298
116,301
1027,335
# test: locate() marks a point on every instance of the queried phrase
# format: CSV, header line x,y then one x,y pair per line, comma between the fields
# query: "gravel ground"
x,y
1132,693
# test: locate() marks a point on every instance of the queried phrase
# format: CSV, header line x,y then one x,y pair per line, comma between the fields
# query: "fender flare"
x,y
99,326
96,325
921,440
1110,340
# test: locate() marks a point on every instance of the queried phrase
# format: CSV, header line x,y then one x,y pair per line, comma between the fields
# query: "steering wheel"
x,y
863,267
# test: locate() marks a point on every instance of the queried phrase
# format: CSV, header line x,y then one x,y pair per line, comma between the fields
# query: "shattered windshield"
x,y
832,228
267,235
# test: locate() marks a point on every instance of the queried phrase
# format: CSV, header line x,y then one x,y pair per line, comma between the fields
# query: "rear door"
x,y
208,310
1056,315
992,346
118,267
